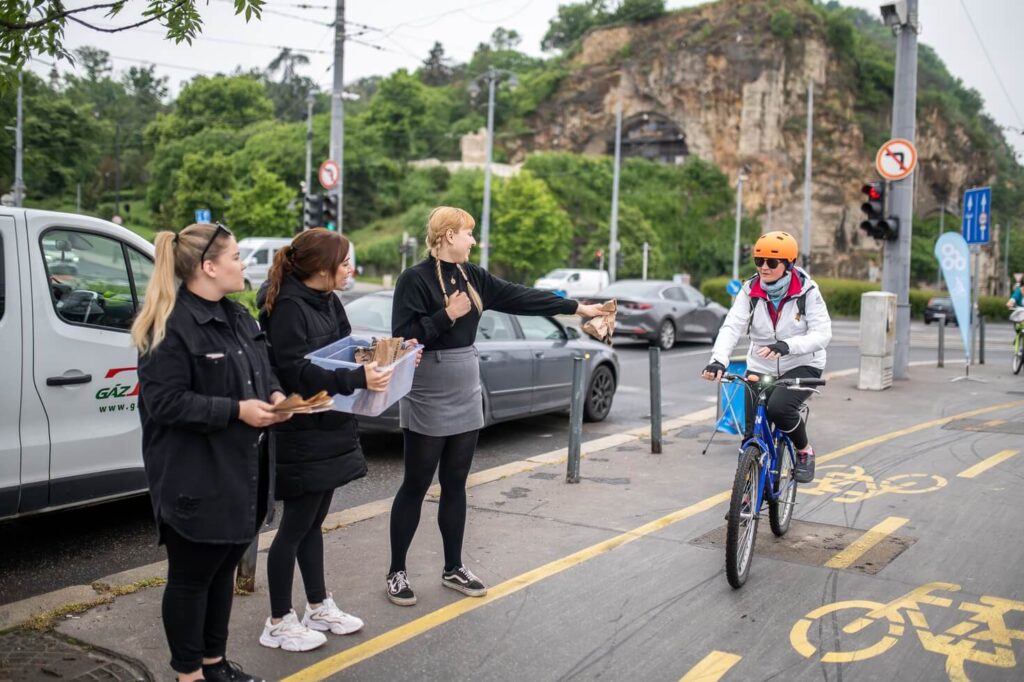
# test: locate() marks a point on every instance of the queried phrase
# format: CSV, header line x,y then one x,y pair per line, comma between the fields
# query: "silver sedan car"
x,y
525,364
662,311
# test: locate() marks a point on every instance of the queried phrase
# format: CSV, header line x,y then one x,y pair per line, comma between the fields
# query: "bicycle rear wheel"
x,y
780,512
1018,352
741,523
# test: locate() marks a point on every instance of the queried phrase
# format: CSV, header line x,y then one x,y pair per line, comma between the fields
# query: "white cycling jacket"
x,y
807,334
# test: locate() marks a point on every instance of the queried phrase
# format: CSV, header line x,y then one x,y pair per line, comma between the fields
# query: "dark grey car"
x,y
525,364
661,311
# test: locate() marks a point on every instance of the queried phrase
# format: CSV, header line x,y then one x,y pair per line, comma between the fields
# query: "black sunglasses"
x,y
772,262
216,233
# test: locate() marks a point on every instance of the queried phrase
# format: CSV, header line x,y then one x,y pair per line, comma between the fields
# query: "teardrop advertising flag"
x,y
954,259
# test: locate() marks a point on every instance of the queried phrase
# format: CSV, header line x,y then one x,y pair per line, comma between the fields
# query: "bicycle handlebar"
x,y
796,381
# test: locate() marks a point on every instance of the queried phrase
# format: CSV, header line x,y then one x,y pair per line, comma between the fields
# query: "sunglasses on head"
x,y
771,262
216,233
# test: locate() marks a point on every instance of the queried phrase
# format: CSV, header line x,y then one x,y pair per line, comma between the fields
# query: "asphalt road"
x,y
48,552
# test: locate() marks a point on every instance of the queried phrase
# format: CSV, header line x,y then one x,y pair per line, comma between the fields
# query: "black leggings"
x,y
197,598
784,407
423,454
298,537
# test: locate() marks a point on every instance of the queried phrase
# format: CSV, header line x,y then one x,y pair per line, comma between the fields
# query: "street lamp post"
x,y
739,215
492,75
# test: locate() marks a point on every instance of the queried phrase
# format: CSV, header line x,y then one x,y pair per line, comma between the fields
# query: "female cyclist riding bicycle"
x,y
782,311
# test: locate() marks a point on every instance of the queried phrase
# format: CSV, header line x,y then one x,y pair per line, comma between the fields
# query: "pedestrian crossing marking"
x,y
986,464
859,547
712,667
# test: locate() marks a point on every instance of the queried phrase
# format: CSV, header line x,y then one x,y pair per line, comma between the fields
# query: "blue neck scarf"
x,y
777,289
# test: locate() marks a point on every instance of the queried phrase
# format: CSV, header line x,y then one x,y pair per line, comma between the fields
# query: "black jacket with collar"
x,y
314,452
203,463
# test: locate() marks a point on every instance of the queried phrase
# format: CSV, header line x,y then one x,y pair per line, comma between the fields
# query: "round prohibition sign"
x,y
330,174
896,159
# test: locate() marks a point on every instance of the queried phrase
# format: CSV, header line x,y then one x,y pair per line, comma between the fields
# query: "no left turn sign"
x,y
896,159
330,174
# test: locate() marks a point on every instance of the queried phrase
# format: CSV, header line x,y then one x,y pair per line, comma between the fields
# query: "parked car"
x,y
661,311
525,363
71,433
258,255
573,282
939,306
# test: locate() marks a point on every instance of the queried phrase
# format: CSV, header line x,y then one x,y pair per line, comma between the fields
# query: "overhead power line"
x,y
991,64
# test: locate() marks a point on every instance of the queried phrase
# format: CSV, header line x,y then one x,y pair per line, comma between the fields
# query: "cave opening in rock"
x,y
651,136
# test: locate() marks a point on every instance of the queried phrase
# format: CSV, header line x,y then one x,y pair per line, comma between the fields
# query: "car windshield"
x,y
628,289
557,274
370,312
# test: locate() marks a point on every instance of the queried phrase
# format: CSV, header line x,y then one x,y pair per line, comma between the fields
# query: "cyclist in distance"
x,y
1016,299
782,311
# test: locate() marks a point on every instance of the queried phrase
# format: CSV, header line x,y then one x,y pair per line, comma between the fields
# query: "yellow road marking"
x,y
404,633
992,423
856,549
712,667
383,642
986,464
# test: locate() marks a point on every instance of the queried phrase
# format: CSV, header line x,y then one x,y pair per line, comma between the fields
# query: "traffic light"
x,y
599,258
620,260
875,223
331,211
410,247
312,211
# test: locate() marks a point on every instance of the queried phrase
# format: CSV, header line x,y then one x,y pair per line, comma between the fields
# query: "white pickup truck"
x,y
70,287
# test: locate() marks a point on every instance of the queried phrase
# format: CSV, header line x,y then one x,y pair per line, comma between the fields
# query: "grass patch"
x,y
106,594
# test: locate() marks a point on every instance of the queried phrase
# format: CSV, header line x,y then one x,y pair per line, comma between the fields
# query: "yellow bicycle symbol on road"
x,y
982,638
844,479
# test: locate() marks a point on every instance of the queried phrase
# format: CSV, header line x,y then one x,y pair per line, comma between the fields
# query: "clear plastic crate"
x,y
341,355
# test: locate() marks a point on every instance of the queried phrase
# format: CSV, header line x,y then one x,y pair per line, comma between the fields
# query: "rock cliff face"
x,y
715,82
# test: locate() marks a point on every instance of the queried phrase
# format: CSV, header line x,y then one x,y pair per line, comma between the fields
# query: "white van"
x,y
70,287
573,282
257,253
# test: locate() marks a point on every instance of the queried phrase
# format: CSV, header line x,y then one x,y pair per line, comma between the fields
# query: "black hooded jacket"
x,y
314,452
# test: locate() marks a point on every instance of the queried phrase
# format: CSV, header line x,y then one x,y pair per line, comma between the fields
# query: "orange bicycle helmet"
x,y
780,245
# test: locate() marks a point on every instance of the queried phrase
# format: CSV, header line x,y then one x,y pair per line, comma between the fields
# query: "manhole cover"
x,y
813,544
30,656
1014,426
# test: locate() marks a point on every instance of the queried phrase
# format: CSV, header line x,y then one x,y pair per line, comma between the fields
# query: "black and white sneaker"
x,y
399,591
227,671
462,580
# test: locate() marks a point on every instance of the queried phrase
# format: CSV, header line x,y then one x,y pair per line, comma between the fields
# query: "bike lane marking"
x,y
392,638
856,549
986,464
712,667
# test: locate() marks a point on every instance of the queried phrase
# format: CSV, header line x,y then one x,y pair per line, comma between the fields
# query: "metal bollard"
x,y
942,340
655,357
245,579
572,474
981,339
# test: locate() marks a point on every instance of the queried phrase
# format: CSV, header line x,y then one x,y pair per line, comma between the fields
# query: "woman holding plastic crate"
x,y
315,453
206,389
439,301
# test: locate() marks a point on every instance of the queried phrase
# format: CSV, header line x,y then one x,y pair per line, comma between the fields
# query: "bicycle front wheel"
x,y
741,523
780,512
1018,352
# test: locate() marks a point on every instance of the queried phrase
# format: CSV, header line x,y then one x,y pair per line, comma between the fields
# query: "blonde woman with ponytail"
x,y
439,301
206,392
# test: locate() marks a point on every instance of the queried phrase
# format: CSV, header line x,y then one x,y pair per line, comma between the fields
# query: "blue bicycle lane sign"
x,y
977,216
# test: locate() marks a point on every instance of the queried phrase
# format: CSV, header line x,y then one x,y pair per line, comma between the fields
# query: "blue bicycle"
x,y
765,474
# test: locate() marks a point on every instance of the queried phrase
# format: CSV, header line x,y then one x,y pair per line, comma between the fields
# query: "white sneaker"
x,y
291,635
330,618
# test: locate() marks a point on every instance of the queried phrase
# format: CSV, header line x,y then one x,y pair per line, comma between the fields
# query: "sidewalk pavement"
x,y
525,524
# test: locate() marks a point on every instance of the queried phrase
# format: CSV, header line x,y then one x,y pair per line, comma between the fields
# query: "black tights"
x,y
784,407
298,537
197,598
423,455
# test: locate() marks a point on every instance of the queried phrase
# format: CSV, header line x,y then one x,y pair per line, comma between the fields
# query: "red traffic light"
x,y
871,190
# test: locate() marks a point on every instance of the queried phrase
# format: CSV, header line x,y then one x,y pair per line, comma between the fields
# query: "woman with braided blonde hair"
x,y
439,301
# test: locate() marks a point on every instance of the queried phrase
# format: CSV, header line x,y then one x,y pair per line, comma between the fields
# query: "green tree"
x,y
410,119
263,206
290,91
436,69
531,234
639,10
572,21
202,182
231,102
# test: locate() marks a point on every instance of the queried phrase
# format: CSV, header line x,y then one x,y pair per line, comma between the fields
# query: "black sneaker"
x,y
462,580
804,472
399,591
227,671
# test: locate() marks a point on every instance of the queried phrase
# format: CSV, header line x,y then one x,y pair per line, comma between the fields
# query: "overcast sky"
x,y
392,34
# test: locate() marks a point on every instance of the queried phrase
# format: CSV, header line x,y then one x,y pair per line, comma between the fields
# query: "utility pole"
x,y
337,146
19,151
739,214
613,237
309,144
647,252
117,167
896,258
485,219
1005,286
806,249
